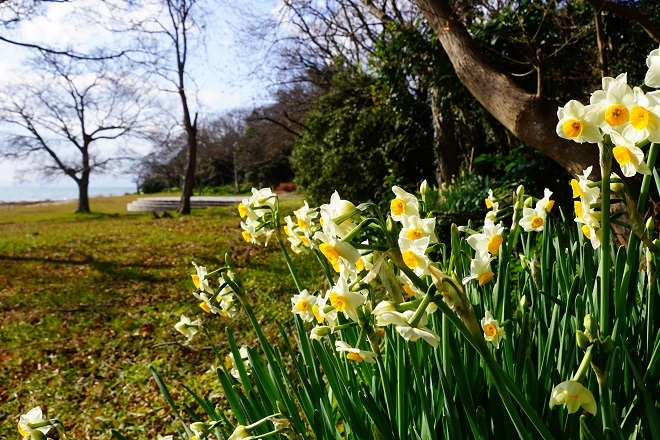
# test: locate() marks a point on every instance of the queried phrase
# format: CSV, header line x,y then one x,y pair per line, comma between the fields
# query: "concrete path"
x,y
172,203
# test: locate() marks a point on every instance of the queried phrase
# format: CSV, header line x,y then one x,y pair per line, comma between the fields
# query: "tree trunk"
x,y
445,144
529,117
83,193
189,178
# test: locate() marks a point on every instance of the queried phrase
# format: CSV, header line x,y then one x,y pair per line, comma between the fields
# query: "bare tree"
x,y
15,12
166,39
63,118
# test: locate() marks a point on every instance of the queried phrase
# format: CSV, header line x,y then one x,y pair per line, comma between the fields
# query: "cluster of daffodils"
x,y
587,193
218,300
300,228
257,216
617,114
488,242
622,121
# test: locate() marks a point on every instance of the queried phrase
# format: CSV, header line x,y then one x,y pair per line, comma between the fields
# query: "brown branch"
x,y
627,12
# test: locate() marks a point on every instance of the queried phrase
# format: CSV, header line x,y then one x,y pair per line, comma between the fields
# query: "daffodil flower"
x,y
403,205
578,123
305,218
32,417
581,188
337,207
613,103
337,252
199,279
414,254
254,232
492,330
574,395
533,219
302,305
387,314
413,334
187,327
493,205
323,312
230,362
490,239
652,78
240,433
480,269
629,157
644,117
206,303
415,228
355,354
344,300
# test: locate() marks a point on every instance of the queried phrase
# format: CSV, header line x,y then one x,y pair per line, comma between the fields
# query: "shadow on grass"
x,y
118,271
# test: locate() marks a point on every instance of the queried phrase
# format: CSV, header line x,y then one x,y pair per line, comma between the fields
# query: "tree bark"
x,y
83,193
445,144
529,117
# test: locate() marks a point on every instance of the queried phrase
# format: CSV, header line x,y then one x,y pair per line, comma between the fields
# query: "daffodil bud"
x,y
616,186
319,332
607,345
650,224
198,428
389,224
591,327
528,202
37,435
518,315
424,188
520,191
582,340
281,408
523,302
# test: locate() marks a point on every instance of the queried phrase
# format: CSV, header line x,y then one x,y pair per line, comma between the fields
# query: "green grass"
x,y
88,302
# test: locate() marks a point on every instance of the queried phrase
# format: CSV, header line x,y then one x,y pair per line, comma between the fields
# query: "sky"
x,y
222,72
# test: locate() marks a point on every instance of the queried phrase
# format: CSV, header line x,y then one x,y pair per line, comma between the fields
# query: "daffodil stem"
x,y
584,365
605,402
262,421
497,376
412,350
605,260
213,347
646,181
289,264
421,309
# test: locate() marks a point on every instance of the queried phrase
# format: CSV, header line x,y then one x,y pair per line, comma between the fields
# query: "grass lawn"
x,y
88,302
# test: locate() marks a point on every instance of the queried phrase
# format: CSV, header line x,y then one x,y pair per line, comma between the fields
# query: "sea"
x,y
28,193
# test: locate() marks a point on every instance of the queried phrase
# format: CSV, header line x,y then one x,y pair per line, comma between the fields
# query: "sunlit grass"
x,y
87,302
